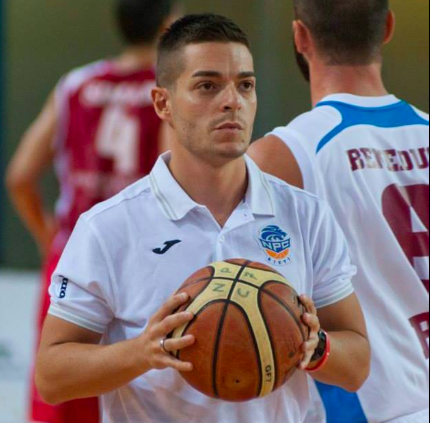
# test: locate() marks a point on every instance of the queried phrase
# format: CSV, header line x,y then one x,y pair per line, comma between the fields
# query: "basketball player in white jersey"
x,y
366,152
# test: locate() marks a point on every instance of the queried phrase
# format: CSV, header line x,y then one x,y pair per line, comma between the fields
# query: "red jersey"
x,y
107,138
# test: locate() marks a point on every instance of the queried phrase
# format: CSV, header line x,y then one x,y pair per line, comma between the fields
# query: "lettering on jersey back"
x,y
102,93
391,160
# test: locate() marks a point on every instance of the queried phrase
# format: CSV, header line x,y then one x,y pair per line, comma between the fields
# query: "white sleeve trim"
x,y
331,299
59,312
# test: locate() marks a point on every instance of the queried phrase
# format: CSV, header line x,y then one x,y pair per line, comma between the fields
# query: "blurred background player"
x,y
101,133
367,153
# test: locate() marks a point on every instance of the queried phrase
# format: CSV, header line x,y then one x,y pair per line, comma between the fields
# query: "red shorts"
x,y
79,411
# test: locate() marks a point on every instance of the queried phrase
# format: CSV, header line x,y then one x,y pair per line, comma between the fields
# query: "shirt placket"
x,y
240,217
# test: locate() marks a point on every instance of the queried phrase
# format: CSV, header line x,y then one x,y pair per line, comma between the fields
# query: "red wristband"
x,y
324,360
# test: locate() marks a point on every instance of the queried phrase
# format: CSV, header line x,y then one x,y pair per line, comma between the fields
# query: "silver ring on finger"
x,y
163,345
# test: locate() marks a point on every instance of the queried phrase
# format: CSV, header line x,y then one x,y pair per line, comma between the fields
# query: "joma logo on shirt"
x,y
63,288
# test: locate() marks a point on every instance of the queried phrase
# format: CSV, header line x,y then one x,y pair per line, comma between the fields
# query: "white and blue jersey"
x,y
369,158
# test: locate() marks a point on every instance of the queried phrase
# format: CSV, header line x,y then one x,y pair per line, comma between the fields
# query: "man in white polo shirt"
x,y
205,201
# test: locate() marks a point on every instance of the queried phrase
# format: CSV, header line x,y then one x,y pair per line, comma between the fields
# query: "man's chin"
x,y
232,150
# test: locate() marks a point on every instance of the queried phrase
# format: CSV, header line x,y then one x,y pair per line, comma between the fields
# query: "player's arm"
x,y
348,365
274,157
71,364
334,306
32,159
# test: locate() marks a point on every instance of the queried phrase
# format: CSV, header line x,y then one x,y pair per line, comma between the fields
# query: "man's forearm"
x,y
71,371
349,362
71,364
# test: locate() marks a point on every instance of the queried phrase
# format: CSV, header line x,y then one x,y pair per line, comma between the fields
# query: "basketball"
x,y
248,330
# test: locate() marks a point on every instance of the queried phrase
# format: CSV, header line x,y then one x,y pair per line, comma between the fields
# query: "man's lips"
x,y
231,126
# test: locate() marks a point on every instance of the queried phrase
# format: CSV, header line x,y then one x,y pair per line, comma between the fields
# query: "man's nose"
x,y
232,100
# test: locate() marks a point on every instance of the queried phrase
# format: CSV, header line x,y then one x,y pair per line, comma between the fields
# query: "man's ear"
x,y
161,100
301,37
390,27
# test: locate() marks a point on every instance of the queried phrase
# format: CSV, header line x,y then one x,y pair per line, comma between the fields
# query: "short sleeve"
x,y
81,289
333,271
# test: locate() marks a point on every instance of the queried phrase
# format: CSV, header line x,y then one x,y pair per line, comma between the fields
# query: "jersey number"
x,y
407,212
406,208
118,140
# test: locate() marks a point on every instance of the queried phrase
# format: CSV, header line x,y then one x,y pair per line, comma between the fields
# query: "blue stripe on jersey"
x,y
392,116
341,406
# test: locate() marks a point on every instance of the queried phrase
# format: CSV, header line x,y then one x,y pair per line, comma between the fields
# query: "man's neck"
x,y
365,81
220,188
136,58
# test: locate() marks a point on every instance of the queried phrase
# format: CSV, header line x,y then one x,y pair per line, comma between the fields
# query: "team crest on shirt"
x,y
276,244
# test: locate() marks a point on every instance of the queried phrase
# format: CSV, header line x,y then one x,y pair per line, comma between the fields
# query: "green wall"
x,y
46,38
2,114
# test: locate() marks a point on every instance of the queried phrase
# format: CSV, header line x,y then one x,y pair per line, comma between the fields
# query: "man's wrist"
x,y
138,362
322,355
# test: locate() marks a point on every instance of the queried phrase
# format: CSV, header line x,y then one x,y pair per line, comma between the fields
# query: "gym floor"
x,y
18,304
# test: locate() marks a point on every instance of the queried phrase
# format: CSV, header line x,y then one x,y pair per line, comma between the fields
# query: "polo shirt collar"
x,y
260,196
176,203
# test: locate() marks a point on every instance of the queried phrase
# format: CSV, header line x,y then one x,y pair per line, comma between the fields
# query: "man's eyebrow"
x,y
215,74
244,75
207,74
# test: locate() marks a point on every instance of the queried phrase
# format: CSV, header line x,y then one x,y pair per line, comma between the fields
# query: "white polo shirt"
x,y
128,255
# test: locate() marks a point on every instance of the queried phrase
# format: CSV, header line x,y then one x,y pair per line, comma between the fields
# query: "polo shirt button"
x,y
222,239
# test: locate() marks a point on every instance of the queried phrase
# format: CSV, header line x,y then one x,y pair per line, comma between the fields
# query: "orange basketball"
x,y
248,330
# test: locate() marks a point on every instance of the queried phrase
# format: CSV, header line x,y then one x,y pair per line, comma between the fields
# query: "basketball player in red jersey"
x,y
101,133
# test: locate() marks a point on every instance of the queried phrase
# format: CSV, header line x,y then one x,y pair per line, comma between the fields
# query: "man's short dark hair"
x,y
140,21
350,32
193,29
